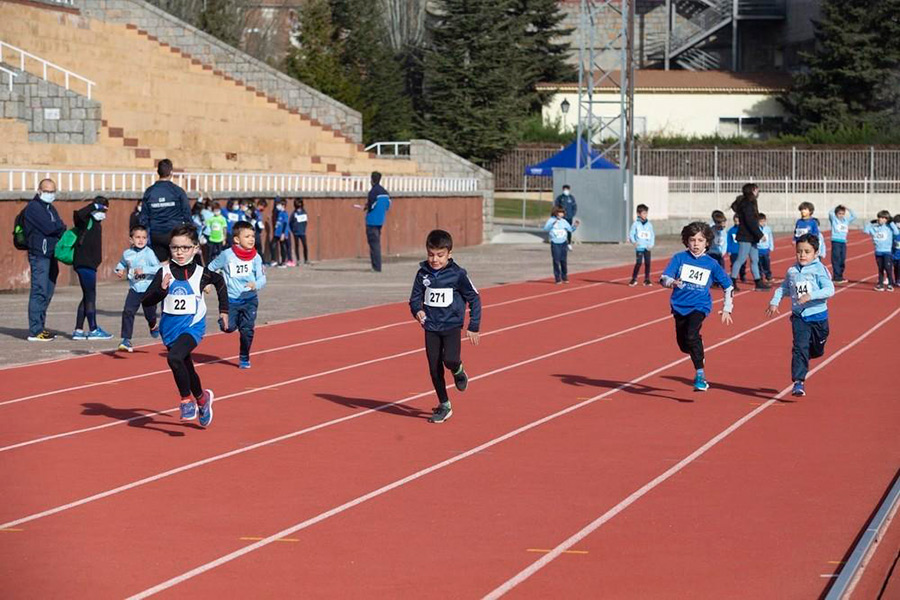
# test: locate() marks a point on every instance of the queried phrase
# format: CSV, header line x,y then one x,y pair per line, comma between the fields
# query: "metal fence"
x,y
756,164
26,180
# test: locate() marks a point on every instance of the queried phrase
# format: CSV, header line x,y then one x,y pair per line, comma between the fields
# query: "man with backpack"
x,y
42,228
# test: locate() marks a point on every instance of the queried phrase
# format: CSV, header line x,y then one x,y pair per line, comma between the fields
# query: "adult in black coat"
x,y
749,233
88,256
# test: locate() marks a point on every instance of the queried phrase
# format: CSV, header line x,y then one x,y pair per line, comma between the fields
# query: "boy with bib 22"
x,y
245,276
691,273
179,286
438,301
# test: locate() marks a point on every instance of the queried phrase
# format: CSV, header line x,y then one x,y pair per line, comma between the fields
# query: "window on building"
x,y
752,127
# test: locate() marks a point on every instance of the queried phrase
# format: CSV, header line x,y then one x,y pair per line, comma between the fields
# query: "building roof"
x,y
691,82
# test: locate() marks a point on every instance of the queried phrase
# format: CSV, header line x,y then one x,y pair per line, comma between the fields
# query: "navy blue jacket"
x,y
298,223
443,296
568,204
43,227
165,207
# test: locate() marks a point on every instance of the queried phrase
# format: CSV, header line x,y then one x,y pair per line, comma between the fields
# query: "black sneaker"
x,y
735,285
460,379
761,285
648,283
632,283
441,414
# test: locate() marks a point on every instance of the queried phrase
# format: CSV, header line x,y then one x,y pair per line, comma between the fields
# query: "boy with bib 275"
x,y
179,286
438,301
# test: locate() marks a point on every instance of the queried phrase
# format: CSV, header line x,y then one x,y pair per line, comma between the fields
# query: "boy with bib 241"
x,y
438,301
179,286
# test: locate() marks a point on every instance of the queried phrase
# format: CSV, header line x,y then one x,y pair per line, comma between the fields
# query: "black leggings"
x,y
641,256
182,366
298,239
87,277
442,349
885,268
687,332
280,245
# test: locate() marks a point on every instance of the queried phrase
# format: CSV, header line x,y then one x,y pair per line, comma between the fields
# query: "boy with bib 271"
x,y
179,286
438,301
691,274
244,275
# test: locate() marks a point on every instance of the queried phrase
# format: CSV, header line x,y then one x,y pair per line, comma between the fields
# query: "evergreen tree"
x,y
317,61
842,84
473,78
544,55
222,19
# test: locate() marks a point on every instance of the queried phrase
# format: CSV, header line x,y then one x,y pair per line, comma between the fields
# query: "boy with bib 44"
x,y
245,276
691,274
438,301
809,285
179,286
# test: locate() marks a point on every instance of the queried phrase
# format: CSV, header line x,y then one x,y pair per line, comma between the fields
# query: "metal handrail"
x,y
46,65
22,180
378,147
11,75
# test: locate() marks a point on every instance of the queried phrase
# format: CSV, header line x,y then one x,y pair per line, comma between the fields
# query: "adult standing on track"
x,y
566,201
749,233
43,228
376,208
164,207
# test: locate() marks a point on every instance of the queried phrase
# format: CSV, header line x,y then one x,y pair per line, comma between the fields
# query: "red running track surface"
x,y
314,481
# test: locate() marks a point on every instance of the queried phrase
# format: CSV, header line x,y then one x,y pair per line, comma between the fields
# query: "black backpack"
x,y
19,239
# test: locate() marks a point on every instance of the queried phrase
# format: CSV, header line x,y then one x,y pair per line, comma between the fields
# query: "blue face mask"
x,y
48,197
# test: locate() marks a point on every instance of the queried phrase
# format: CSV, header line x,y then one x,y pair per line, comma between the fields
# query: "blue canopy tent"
x,y
564,159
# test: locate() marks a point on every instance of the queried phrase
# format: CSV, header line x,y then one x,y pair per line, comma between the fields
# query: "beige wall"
x,y
674,114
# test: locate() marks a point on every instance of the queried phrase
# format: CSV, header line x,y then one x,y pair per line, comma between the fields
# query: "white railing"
x,y
398,149
11,75
25,180
46,67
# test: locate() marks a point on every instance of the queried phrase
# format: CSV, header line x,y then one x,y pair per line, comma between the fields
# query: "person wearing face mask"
x,y
88,256
281,229
43,229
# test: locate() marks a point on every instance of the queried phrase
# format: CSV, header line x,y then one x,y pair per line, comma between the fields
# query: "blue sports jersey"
x,y
804,226
559,230
720,244
766,244
238,273
882,236
697,274
840,227
813,279
732,245
144,260
642,235
184,310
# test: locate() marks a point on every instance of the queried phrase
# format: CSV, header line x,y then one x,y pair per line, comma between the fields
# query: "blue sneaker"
x,y
99,334
125,345
154,331
79,335
798,390
206,411
244,363
188,411
700,384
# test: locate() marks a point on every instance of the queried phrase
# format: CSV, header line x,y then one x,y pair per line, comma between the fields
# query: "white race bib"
x,y
841,227
804,287
438,297
764,240
241,268
881,236
234,217
301,218
644,235
694,275
897,245
180,304
800,231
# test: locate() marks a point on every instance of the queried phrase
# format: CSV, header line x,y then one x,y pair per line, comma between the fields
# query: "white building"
x,y
682,103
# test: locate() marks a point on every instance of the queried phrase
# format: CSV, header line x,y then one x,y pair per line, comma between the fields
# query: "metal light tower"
x,y
607,117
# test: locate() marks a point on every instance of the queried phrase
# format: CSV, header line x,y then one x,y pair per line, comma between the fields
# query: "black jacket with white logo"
x,y
443,296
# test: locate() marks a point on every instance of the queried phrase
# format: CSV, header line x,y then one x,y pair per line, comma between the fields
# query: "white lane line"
x,y
634,497
417,475
322,373
311,429
331,338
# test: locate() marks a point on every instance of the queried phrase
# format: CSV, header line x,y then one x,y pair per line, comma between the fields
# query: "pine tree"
x,y
544,56
222,19
473,78
317,61
841,85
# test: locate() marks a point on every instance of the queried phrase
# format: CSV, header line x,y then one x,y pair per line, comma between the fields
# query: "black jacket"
x,y
89,249
449,286
43,227
164,207
748,213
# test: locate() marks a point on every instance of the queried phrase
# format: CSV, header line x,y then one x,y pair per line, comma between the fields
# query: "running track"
x,y
578,464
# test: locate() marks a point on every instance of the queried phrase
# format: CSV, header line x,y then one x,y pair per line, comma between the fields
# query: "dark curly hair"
x,y
692,229
808,238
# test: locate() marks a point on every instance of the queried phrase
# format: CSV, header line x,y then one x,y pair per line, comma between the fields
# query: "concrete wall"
x,y
230,61
79,118
434,159
336,230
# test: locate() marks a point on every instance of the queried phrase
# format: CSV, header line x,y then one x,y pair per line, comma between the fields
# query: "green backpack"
x,y
65,247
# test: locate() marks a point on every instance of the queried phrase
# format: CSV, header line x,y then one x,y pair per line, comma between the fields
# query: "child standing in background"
x,y
733,247
299,221
643,238
720,244
216,227
806,224
841,217
560,229
766,246
896,254
883,231
281,227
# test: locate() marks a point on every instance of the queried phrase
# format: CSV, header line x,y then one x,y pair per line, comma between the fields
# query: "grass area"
x,y
511,208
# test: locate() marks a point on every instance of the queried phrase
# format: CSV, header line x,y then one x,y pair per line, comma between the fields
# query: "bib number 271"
x,y
438,297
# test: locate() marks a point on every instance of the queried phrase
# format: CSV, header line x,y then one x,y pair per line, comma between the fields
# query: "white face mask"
x,y
48,197
98,215
565,192
183,261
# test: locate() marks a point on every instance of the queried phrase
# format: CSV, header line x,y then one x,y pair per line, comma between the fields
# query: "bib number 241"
x,y
694,275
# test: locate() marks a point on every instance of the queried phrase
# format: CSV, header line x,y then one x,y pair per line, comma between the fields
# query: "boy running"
x,y
139,264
